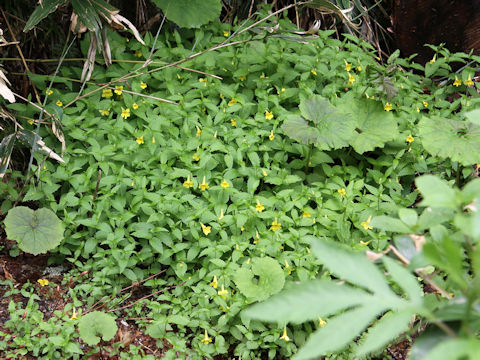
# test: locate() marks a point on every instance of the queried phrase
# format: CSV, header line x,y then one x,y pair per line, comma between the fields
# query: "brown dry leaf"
x,y
373,256
58,134
472,206
419,240
90,62
76,27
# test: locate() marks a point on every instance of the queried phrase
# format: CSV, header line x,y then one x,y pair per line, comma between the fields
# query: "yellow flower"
x,y
342,191
196,157
206,229
204,185
232,102
248,261
107,93
221,215
313,72
153,140
104,112
188,183
418,110
59,103
140,140
388,107
143,85
224,184
275,225
287,265
285,336
215,135
280,91
469,81
179,77
214,283
306,214
321,322
264,173
433,59
409,139
223,292
351,79
226,34
74,315
271,136
366,224
457,81
135,106
263,76
132,184
259,206
138,53
206,339
425,103
199,131
242,77
125,113
204,80
42,282
269,115
222,96
48,92
359,68
30,121
118,89
234,122
348,66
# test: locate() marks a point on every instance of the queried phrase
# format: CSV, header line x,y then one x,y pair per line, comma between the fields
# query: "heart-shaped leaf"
x,y
263,279
190,13
97,323
35,231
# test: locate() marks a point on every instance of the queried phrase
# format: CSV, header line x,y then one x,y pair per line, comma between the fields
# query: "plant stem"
x,y
308,158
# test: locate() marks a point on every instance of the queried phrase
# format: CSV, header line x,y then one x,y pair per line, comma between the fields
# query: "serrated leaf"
x,y
316,109
270,279
375,126
455,349
335,335
97,323
350,266
190,13
308,301
383,331
35,231
436,192
41,12
405,280
448,138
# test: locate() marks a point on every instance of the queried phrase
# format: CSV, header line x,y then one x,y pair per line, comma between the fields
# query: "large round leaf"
x,y
190,13
454,139
263,279
375,126
97,323
35,231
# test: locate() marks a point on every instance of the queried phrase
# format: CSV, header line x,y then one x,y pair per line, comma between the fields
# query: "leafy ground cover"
x,y
178,215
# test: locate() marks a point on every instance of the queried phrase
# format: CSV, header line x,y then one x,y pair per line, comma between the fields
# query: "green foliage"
x,y
190,13
97,324
448,138
353,122
42,11
263,279
351,304
36,231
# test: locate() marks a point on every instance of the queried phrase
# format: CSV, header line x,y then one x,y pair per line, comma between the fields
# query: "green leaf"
x,y
388,223
385,330
335,336
455,349
308,301
408,216
299,129
35,231
316,109
473,116
264,279
41,12
375,126
350,266
405,280
97,323
190,13
436,192
454,139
